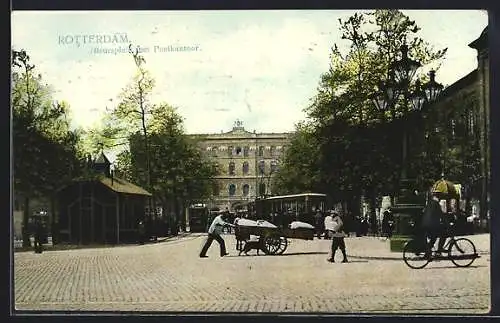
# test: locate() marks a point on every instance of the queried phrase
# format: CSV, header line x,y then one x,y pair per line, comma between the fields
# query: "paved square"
x,y
169,276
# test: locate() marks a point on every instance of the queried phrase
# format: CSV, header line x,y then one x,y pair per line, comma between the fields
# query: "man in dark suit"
x,y
433,226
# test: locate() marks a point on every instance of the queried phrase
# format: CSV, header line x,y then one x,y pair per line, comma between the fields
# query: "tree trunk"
x,y
373,212
26,216
53,223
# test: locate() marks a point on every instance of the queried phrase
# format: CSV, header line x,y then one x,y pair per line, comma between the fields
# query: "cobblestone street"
x,y
169,276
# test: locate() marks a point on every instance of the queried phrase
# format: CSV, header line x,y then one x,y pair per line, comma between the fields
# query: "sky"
x,y
261,67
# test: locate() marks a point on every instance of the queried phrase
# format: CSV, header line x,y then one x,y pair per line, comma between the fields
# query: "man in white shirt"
x,y
329,225
214,232
338,237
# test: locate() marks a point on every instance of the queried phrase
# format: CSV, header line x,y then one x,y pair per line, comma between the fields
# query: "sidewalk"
x,y
379,248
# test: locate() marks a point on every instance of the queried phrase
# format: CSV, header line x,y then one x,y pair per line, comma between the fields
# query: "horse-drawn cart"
x,y
273,240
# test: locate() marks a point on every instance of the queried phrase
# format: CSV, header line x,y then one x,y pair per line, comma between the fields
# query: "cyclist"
x,y
433,224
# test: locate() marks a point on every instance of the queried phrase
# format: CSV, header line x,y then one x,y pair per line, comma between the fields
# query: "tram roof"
x,y
295,196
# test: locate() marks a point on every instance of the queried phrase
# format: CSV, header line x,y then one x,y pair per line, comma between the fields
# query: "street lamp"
x,y
398,91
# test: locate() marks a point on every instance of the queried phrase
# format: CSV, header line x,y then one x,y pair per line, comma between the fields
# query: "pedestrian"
x,y
329,225
388,223
318,222
214,233
237,234
338,238
142,232
38,235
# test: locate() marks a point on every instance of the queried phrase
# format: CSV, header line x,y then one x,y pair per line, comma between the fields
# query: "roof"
x,y
482,41
102,159
122,186
296,195
460,84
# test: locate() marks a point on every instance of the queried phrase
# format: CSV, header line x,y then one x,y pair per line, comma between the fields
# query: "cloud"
x,y
261,67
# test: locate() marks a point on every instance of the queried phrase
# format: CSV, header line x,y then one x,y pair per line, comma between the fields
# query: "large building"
x,y
246,162
465,105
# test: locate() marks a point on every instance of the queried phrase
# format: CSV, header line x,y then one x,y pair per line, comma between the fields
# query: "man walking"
x,y
338,238
329,225
214,232
318,222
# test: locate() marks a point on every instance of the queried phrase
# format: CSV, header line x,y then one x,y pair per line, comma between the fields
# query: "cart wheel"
x,y
283,245
274,244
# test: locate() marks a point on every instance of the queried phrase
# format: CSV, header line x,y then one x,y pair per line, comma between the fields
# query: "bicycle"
x,y
461,251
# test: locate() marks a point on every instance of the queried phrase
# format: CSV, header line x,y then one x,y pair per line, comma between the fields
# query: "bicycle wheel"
x,y
462,252
414,255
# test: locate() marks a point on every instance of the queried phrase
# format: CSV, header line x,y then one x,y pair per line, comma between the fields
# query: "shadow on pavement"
x,y
453,266
349,262
305,253
261,254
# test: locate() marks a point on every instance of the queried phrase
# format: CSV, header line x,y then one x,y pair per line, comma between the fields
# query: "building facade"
x,y
464,105
246,162
482,85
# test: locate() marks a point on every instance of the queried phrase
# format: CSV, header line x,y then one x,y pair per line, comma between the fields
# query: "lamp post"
x,y
399,95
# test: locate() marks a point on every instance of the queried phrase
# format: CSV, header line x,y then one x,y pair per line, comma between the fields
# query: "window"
x,y
453,128
261,151
246,149
214,151
273,151
232,189
216,189
231,168
246,189
262,167
471,121
238,151
245,168
274,166
262,189
230,151
215,167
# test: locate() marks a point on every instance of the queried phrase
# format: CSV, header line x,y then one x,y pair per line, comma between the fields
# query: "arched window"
x,y
232,189
230,151
245,168
239,151
261,151
216,189
214,151
231,168
262,167
246,149
216,169
274,166
246,189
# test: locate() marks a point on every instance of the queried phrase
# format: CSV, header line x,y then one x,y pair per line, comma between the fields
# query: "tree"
x,y
299,171
45,150
180,175
358,152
